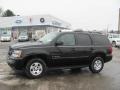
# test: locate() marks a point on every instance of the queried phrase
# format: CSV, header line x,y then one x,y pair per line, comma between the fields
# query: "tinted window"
x,y
67,39
84,39
48,37
100,40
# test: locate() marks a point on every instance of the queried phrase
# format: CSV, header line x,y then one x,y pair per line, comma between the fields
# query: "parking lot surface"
x,y
81,79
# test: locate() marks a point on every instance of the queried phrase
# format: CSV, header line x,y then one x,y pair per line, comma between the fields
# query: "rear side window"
x,y
83,39
100,39
115,36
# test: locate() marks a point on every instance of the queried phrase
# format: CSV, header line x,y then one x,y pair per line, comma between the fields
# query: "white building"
x,y
31,24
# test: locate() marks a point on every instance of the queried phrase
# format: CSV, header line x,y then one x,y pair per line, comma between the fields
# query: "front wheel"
x,y
35,68
97,65
114,44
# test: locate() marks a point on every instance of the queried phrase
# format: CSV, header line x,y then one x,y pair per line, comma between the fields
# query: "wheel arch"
x,y
101,54
42,56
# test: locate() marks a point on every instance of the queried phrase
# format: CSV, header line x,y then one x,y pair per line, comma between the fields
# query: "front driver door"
x,y
65,54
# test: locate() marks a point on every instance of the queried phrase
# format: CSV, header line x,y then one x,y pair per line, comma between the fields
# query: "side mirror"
x,y
58,43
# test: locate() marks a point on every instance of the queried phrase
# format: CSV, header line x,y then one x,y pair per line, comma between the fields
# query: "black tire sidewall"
x,y
91,67
27,68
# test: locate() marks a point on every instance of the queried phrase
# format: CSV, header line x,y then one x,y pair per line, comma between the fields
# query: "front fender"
x,y
29,52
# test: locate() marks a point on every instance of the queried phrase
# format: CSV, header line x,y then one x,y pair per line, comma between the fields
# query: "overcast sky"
x,y
83,14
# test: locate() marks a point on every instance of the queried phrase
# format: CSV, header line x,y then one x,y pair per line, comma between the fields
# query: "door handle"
x,y
73,49
92,48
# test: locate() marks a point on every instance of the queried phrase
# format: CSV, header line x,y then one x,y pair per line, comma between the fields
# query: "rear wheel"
x,y
35,68
97,65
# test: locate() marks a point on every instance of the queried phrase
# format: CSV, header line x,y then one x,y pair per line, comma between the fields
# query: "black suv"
x,y
61,50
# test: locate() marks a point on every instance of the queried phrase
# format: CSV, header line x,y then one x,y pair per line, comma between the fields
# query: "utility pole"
x,y
107,31
119,22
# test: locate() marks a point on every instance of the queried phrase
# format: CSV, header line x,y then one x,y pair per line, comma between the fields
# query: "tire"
x,y
96,65
35,68
114,44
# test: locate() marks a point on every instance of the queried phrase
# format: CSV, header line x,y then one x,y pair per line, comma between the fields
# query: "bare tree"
x,y
8,13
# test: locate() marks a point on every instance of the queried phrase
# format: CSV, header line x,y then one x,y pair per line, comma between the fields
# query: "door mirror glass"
x,y
59,43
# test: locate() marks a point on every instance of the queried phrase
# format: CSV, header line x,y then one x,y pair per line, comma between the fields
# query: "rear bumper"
x,y
108,58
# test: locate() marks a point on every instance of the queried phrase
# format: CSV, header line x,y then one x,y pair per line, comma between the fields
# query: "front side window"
x,y
48,38
67,39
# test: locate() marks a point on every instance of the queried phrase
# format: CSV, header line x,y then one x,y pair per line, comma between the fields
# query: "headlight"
x,y
16,53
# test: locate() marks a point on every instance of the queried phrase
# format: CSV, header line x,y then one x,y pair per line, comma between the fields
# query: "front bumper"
x,y
21,40
16,64
2,40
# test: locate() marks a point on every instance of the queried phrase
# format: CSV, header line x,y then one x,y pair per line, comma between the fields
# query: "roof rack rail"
x,y
95,32
89,32
78,31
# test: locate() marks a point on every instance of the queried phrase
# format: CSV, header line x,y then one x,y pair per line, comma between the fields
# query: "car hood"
x,y
26,45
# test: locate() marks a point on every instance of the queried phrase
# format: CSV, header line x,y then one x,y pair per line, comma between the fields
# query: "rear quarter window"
x,y
100,39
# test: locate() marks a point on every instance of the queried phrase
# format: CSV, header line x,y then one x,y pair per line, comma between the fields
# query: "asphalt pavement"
x,y
81,79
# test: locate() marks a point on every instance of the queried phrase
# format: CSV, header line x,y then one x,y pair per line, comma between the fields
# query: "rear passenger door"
x,y
84,48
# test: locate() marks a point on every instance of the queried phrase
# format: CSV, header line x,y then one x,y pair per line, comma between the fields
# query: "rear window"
x,y
83,39
100,39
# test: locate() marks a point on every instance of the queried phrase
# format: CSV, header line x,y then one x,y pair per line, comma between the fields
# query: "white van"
x,y
114,39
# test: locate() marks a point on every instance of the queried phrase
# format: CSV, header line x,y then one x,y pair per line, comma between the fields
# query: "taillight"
x,y
110,50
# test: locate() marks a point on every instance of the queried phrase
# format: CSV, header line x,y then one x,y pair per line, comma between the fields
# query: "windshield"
x,y
48,38
5,35
23,34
